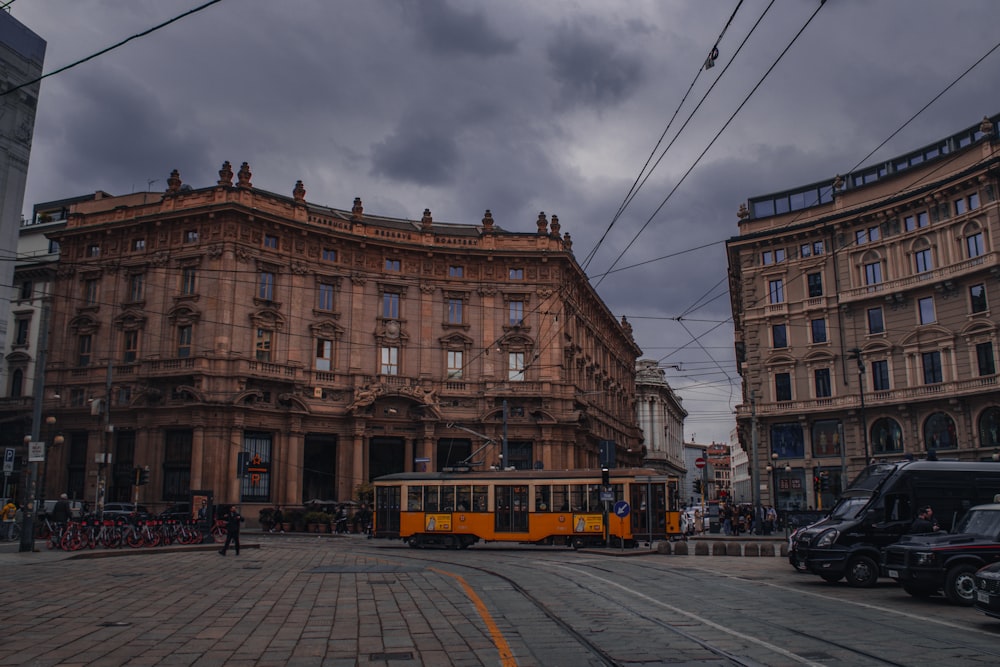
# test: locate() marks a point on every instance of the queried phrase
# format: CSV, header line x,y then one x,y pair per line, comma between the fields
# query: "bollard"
x,y
681,548
751,549
734,549
701,548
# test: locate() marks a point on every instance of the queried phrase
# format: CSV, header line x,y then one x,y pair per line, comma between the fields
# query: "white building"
x,y
661,418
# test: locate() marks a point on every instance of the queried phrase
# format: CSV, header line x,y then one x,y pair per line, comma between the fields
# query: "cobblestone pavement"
x,y
271,605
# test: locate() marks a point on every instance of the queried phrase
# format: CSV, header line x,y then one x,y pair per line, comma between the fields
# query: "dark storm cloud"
x,y
444,30
417,153
591,71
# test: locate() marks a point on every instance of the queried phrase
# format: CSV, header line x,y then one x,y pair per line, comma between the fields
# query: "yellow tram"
x,y
576,508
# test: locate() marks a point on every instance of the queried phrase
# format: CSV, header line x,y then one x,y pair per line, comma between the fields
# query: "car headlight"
x,y
828,538
924,558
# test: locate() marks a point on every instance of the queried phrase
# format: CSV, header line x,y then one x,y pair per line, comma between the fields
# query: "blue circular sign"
x,y
622,509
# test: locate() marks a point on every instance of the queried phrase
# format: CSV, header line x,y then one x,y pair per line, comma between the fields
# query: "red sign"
x,y
699,462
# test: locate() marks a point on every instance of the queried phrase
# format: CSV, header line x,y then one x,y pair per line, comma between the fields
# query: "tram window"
x,y
448,498
594,497
543,496
431,498
415,498
560,498
480,497
463,498
578,497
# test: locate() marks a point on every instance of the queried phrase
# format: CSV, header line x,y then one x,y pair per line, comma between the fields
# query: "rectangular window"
x,y
188,280
270,241
880,375
191,236
83,350
27,289
135,285
263,347
960,206
53,247
390,361
819,331
329,255
873,273
776,291
822,376
516,274
767,257
909,223
779,336
977,297
324,354
926,306
516,313
256,487
973,201
874,234
177,465
138,245
390,305
984,358
325,297
815,282
21,330
90,287
265,289
805,250
185,334
455,311
393,265
876,324
454,364
456,271
974,243
783,387
932,367
818,247
515,366
779,255
923,260
130,346
93,250
860,237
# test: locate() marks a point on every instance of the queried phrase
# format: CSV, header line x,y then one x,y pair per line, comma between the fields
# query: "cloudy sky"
x,y
519,107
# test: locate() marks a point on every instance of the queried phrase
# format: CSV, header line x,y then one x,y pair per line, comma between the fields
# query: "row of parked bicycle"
x,y
89,533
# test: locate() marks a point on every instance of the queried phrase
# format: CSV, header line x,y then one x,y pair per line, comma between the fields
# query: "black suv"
x,y
925,564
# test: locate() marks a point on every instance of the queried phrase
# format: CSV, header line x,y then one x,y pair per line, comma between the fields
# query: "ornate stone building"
x,y
206,329
661,418
864,317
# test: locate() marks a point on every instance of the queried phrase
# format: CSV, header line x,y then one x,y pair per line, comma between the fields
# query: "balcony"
x,y
943,274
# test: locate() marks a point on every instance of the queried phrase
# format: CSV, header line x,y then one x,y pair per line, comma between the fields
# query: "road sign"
x,y
622,509
8,460
36,451
700,462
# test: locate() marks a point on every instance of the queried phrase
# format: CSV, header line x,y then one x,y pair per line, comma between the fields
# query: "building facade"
x,y
661,419
274,351
865,316
22,54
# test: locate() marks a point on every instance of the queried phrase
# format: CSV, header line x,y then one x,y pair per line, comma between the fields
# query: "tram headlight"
x,y
828,538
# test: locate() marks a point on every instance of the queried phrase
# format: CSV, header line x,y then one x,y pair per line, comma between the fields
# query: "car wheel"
x,y
960,585
919,591
862,572
831,578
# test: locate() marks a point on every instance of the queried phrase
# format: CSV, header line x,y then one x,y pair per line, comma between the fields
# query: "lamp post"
x,y
773,469
856,354
56,439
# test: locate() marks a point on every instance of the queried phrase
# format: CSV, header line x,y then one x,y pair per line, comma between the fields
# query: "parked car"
x,y
177,512
129,511
927,563
987,598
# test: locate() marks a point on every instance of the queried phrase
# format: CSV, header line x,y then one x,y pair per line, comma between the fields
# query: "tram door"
x,y
511,509
387,503
649,507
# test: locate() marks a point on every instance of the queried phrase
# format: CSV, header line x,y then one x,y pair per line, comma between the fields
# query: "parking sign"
x,y
8,460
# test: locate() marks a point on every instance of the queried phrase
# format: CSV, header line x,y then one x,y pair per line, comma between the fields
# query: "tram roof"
x,y
520,475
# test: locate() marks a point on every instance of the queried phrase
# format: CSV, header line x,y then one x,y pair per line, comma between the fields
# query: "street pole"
x,y
856,354
756,463
503,448
38,396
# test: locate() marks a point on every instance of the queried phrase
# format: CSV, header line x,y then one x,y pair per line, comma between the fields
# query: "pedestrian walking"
x,y
233,521
7,514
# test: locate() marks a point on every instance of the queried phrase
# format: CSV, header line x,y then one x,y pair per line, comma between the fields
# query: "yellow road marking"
x,y
506,656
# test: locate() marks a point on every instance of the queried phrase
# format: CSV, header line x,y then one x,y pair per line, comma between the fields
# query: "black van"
x,y
878,508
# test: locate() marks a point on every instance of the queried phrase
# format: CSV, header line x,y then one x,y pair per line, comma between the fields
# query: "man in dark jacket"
x,y
61,512
924,523
233,521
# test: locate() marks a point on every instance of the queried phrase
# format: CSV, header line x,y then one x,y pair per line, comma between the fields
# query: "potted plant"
x,y
295,520
266,518
313,521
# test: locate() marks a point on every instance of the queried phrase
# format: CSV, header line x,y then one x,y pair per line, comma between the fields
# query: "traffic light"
x,y
824,481
817,483
143,476
605,477
697,486
136,476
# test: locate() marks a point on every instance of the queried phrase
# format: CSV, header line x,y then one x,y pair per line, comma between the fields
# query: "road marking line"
x,y
506,655
700,619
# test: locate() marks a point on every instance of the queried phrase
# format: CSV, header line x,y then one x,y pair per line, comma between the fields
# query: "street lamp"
x,y
856,354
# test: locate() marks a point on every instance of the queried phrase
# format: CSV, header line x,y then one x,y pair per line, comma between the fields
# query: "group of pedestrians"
x,y
746,520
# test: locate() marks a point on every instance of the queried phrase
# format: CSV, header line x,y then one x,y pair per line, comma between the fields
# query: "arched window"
x,y
886,436
939,432
989,427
